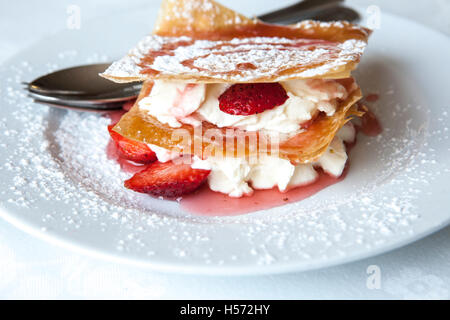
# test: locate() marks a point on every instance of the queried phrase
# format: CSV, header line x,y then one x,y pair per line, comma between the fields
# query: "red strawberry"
x,y
250,98
132,150
166,179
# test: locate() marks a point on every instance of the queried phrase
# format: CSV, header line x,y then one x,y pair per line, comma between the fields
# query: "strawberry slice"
x,y
245,99
167,179
132,150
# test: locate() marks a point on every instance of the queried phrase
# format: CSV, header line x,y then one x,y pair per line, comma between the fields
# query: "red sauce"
x,y
372,97
128,105
205,202
114,115
246,66
370,126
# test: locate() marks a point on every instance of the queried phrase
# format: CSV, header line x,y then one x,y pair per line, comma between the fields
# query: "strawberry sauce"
x,y
370,126
372,97
205,202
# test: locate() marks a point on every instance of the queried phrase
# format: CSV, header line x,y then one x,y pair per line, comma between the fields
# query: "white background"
x,y
30,268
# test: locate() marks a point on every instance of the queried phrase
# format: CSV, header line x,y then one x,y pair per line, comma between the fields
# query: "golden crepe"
x,y
201,41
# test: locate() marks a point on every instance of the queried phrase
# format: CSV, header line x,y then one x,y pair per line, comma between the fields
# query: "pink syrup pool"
x,y
205,202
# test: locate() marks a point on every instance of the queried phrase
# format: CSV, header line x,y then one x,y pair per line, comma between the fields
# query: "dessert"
x,y
237,104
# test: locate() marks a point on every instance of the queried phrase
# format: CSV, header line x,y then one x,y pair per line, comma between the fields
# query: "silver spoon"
x,y
306,9
80,88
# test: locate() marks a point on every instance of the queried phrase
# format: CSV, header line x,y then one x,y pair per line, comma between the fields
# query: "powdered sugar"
x,y
220,61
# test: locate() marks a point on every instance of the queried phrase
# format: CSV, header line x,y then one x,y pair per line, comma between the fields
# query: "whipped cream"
x,y
174,103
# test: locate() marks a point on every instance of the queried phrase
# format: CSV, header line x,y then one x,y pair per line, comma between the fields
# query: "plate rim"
x,y
195,269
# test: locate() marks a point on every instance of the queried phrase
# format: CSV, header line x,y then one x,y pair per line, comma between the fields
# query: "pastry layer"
x,y
202,41
256,59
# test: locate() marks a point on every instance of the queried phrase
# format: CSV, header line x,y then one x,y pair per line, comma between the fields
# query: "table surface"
x,y
31,268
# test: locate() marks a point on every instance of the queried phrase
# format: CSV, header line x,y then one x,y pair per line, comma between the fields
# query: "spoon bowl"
x,y
80,81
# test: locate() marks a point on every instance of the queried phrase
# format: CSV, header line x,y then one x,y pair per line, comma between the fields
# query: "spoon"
x,y
80,88
306,9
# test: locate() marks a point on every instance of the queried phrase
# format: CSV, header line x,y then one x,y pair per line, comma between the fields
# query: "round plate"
x,y
58,183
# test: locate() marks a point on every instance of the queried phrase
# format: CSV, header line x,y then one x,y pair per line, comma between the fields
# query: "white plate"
x,y
57,183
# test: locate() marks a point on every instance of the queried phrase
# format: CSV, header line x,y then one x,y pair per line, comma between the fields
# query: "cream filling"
x,y
174,103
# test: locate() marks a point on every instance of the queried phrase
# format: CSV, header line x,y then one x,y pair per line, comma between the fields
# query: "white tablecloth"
x,y
30,268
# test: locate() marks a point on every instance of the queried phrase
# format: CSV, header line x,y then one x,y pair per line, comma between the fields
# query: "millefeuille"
x,y
253,105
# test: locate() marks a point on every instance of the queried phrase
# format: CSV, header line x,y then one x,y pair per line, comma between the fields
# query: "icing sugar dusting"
x,y
221,60
56,175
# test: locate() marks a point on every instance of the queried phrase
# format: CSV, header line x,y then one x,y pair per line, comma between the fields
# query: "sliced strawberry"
x,y
132,150
167,179
245,99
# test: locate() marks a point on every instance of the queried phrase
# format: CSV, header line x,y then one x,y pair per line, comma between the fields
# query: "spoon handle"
x,y
298,11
